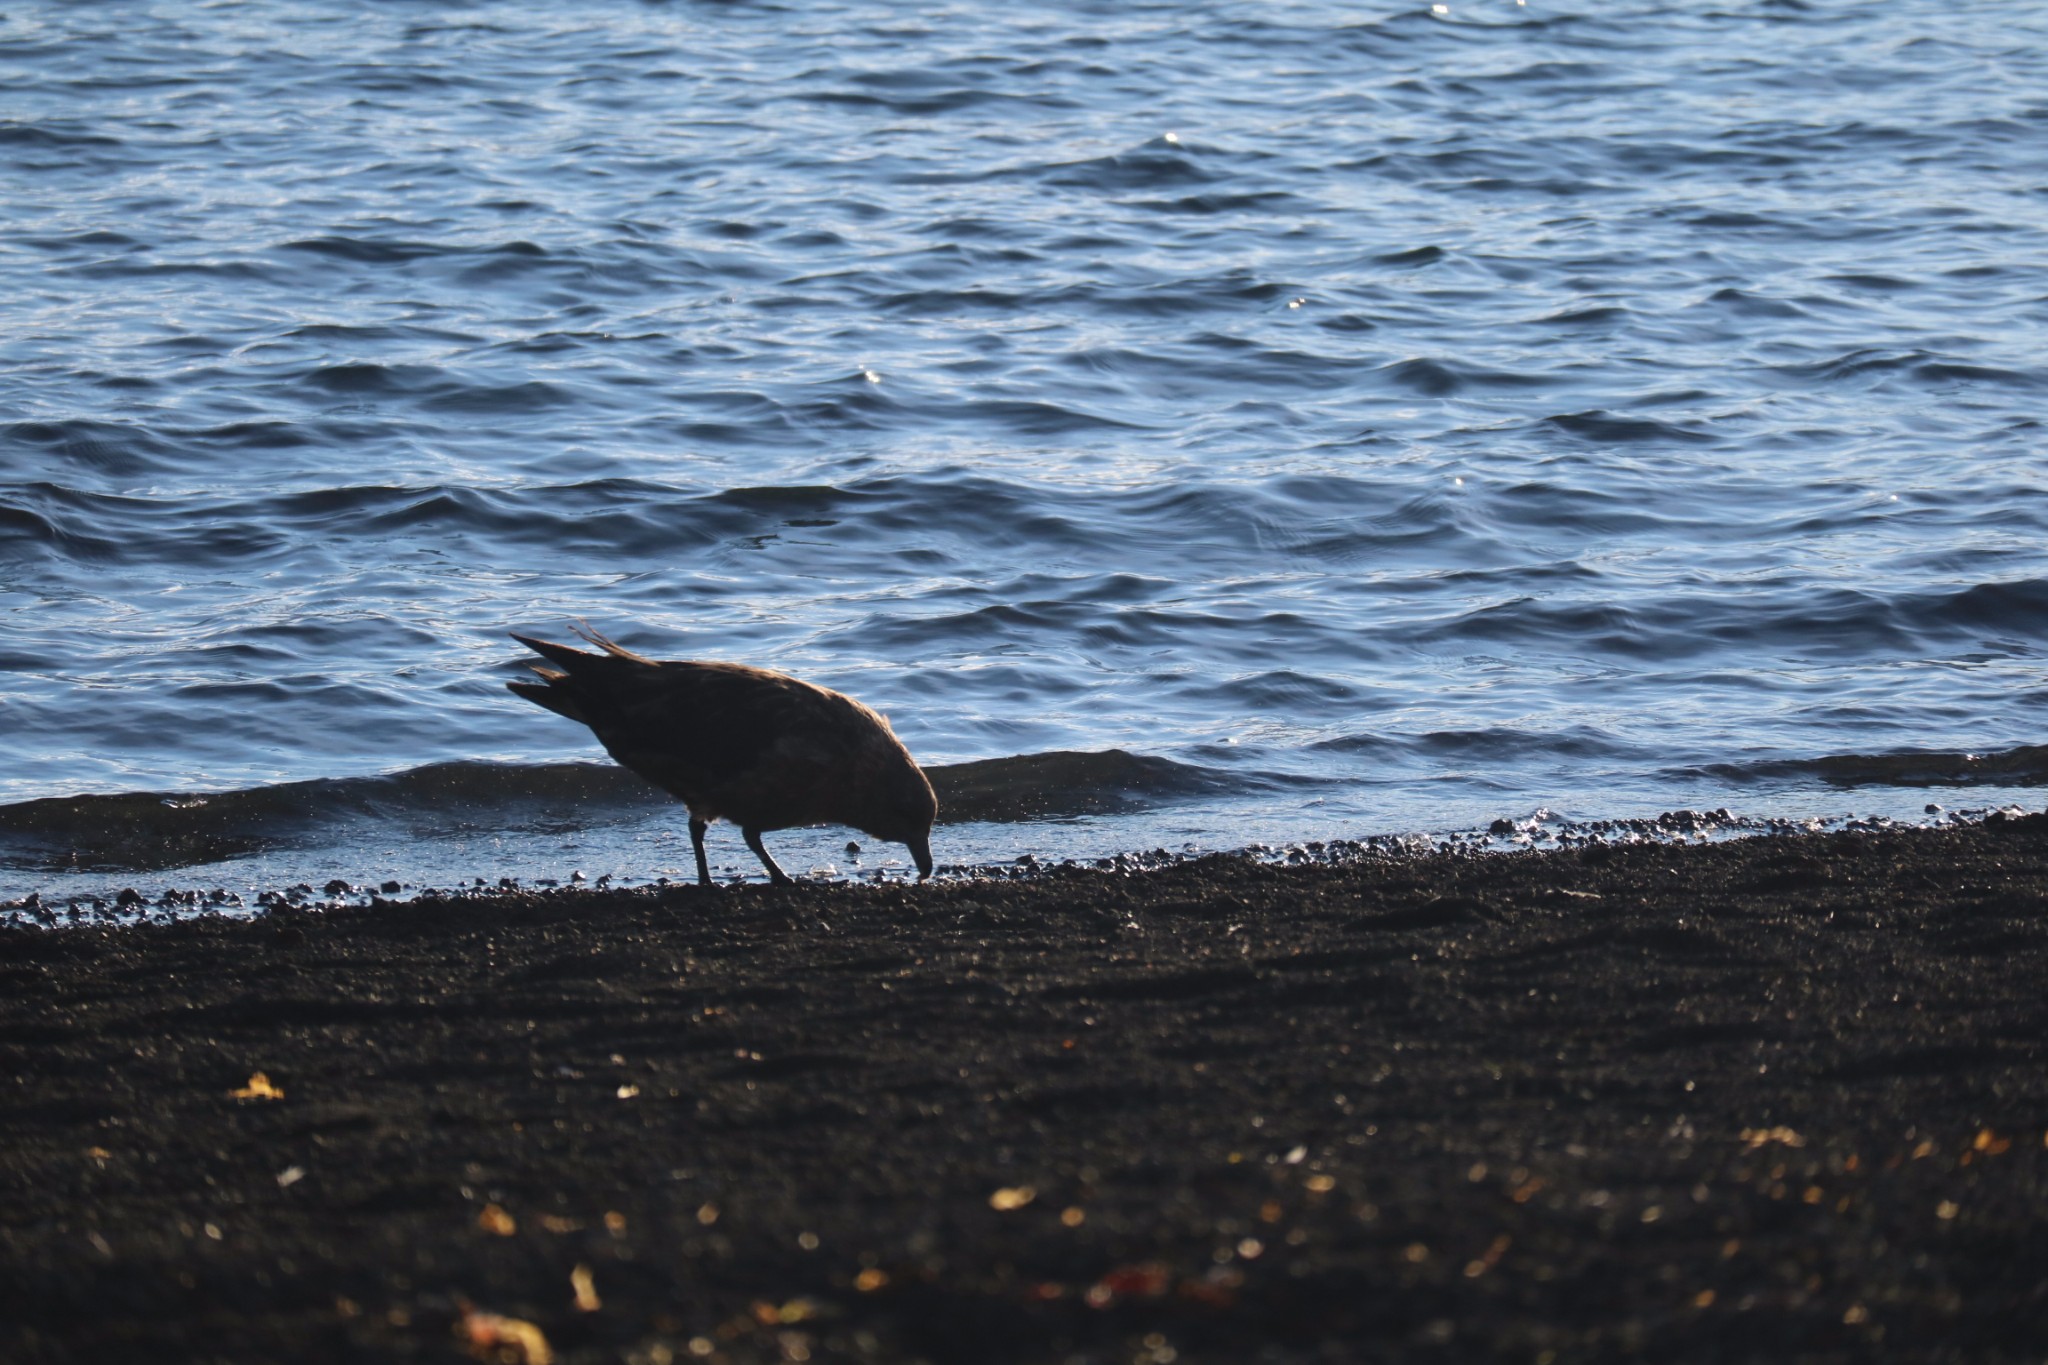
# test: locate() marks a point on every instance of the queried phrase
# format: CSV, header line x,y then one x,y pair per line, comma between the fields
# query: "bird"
x,y
759,748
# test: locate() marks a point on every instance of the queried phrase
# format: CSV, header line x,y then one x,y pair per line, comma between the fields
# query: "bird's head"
x,y
902,809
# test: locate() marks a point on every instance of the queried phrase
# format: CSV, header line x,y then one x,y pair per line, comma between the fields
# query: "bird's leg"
x,y
775,874
697,828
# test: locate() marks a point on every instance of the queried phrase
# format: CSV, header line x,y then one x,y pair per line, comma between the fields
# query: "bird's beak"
x,y
921,849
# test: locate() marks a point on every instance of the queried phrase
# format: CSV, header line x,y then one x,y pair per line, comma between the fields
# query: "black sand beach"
x,y
1772,1099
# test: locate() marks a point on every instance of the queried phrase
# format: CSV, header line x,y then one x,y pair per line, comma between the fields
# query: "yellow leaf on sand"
x,y
1011,1197
505,1341
494,1220
258,1088
585,1286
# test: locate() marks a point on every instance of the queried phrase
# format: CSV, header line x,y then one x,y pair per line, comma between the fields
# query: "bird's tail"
x,y
556,699
557,689
602,642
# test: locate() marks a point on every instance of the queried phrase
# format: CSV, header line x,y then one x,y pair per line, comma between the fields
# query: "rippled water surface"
x,y
1390,417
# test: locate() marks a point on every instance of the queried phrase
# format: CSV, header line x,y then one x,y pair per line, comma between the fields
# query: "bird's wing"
x,y
695,726
759,747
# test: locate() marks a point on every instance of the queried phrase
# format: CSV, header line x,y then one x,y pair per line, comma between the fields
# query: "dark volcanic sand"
x,y
1776,1099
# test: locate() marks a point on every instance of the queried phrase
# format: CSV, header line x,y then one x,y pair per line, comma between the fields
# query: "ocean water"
x,y
1339,419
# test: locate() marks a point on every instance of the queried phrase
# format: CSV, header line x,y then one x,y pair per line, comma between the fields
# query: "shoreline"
x,y
1648,1099
438,824
145,894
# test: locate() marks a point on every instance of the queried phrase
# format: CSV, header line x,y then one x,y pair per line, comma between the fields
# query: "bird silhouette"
x,y
761,749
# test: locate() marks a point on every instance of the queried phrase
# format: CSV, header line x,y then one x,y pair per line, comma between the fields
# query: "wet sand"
x,y
1781,1098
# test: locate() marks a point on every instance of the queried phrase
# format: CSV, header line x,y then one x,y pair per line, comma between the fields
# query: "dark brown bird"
x,y
760,749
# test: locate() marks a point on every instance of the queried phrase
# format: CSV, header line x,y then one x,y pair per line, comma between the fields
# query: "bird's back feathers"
x,y
763,749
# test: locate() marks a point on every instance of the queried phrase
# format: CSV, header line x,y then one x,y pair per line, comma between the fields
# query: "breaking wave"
x,y
156,831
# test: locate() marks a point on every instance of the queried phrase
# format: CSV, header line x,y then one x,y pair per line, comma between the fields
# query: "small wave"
x,y
111,448
1284,692
1157,165
1928,367
925,105
156,831
34,135
127,268
1496,744
364,250
1837,623
152,831
1441,378
366,377
1953,371
532,395
2026,766
1263,201
258,435
1875,283
1744,304
1605,428
1064,784
1584,317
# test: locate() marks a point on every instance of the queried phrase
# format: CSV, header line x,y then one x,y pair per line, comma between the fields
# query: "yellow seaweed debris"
x,y
1012,1197
584,1285
770,1314
493,1218
502,1340
258,1088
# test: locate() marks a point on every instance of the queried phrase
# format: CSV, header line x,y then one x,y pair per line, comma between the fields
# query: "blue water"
x,y
1393,416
